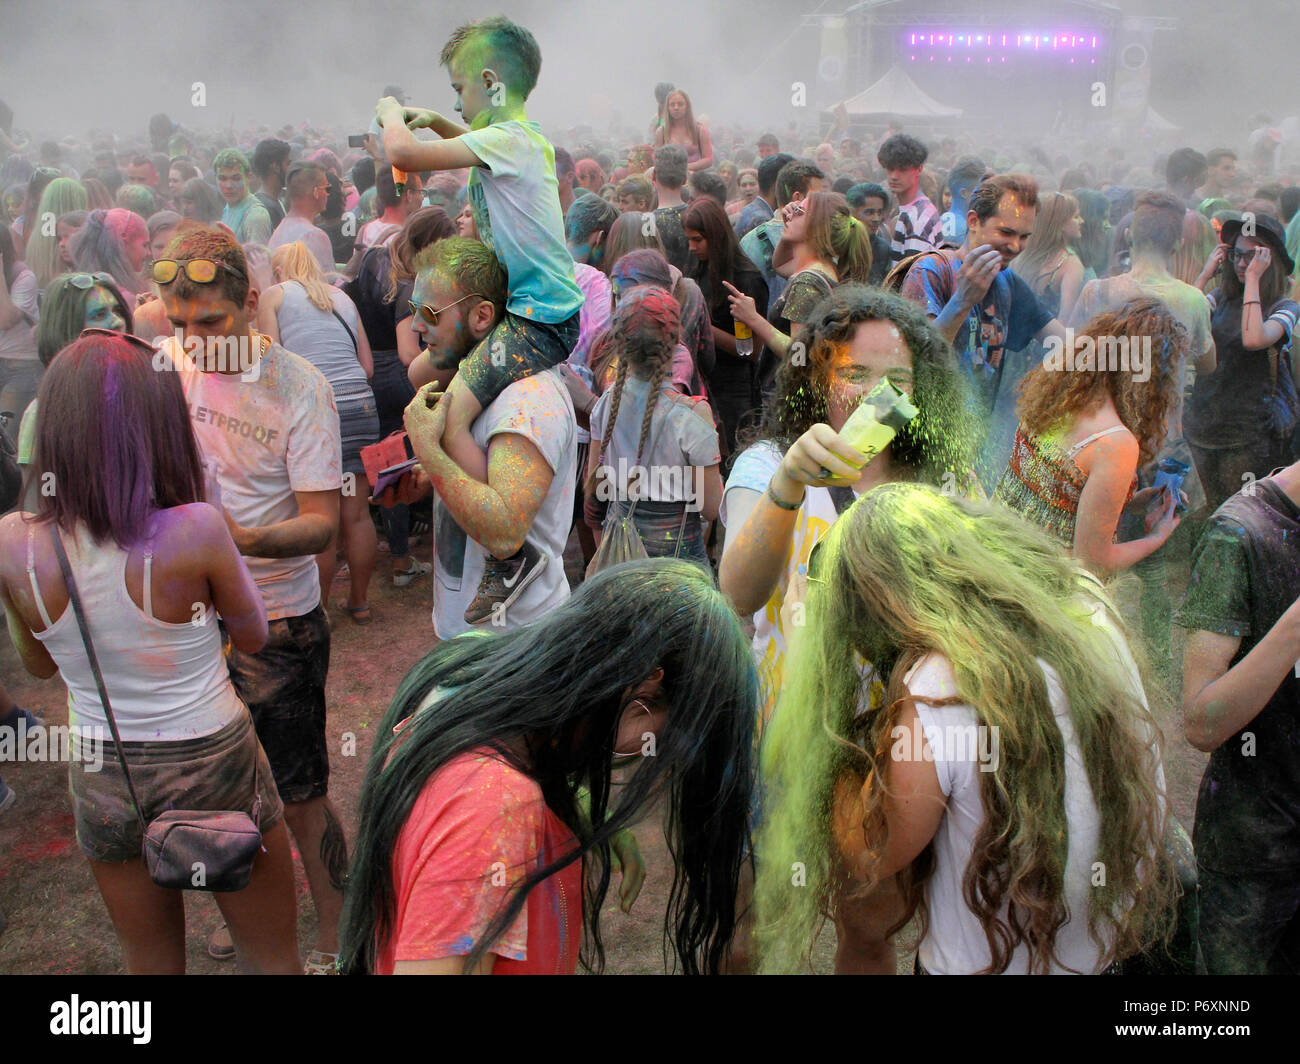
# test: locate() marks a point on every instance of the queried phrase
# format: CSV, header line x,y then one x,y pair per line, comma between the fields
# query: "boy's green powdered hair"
x,y
497,44
231,157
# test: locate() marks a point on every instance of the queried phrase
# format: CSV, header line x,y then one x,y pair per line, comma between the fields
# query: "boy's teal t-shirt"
x,y
516,202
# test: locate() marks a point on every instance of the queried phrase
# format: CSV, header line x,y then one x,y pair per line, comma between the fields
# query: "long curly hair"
x,y
941,440
910,571
1052,395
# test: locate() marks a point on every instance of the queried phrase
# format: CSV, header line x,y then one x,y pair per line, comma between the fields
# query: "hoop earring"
x,y
646,709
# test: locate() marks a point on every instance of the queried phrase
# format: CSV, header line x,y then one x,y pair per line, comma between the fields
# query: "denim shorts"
x,y
214,772
283,685
516,348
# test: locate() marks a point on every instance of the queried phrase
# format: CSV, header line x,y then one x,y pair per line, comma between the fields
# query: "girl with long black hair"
x,y
487,820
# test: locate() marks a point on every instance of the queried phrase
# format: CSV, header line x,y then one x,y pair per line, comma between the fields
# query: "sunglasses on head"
x,y
87,281
200,271
95,330
429,314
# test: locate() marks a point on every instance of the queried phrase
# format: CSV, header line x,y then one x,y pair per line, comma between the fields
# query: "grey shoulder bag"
x,y
199,849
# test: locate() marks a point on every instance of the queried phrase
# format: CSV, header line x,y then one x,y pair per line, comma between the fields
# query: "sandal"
x,y
319,963
219,951
359,614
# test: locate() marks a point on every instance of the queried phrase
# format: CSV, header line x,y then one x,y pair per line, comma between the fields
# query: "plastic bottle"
x,y
744,339
877,419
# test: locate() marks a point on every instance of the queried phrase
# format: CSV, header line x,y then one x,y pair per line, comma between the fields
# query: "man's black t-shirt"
x,y
379,317
274,209
1245,575
879,259
668,224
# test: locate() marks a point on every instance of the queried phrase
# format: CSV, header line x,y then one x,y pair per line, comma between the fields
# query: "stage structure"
x,y
1025,63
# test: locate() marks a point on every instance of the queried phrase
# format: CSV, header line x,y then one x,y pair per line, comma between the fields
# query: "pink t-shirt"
x,y
593,318
476,831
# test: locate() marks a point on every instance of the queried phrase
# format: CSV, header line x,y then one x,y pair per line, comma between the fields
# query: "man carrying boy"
x,y
493,65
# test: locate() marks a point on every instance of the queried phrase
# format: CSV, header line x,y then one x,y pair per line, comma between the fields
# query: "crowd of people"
x,y
879,674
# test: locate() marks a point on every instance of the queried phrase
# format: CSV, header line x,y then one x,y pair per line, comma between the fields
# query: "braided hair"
x,y
644,331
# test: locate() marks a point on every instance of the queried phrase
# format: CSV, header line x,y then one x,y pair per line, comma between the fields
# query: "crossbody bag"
x,y
194,849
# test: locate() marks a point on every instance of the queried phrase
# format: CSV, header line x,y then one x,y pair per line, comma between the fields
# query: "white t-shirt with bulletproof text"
x,y
269,437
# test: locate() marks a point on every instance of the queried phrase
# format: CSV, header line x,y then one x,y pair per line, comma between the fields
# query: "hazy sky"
x,y
69,65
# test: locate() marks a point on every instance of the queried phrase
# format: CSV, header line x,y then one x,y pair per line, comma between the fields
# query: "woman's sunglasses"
x,y
95,330
86,281
200,271
429,314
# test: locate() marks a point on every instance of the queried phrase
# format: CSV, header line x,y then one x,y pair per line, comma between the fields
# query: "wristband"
x,y
781,502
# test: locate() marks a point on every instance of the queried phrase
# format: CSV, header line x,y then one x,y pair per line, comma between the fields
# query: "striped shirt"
x,y
917,228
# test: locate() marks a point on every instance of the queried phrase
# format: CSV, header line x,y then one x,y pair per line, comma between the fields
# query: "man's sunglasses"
x,y
429,314
200,271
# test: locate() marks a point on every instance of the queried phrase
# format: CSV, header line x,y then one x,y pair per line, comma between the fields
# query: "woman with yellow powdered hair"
x,y
1007,790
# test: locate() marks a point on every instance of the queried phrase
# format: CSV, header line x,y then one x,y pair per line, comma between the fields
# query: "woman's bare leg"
x,y
149,919
263,917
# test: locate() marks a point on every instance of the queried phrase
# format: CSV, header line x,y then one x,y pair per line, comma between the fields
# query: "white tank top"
x,y
955,943
166,682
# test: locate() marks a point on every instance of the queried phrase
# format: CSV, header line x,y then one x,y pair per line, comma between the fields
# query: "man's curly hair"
x,y
944,436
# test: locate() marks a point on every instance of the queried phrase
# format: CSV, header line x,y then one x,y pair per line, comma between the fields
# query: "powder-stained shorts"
x,y
215,772
283,685
358,427
516,348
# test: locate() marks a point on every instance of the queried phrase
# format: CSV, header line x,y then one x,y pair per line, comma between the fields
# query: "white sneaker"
x,y
417,570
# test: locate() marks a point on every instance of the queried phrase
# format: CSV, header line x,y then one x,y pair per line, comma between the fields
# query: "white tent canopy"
x,y
1159,123
897,94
